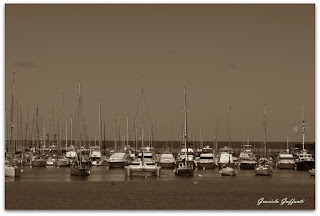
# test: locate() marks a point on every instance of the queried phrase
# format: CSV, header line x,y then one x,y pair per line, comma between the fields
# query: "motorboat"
x,y
247,158
285,160
51,161
95,156
120,159
305,161
167,160
206,160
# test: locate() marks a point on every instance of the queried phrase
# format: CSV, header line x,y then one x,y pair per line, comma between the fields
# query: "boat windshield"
x,y
206,158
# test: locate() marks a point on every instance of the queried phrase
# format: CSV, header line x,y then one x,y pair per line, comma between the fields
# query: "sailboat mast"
x,y
115,132
78,123
71,131
229,128
265,130
11,116
66,136
185,135
127,131
142,156
100,127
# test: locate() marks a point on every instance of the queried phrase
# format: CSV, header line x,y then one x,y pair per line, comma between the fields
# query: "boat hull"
x,y
228,172
286,165
263,171
143,170
244,165
120,164
63,163
184,172
206,165
167,164
222,165
305,165
12,171
76,171
39,163
312,172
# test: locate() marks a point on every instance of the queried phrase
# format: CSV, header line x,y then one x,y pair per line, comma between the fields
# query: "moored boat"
x,y
206,160
167,160
119,159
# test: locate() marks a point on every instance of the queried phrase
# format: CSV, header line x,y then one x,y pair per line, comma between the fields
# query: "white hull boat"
x,y
228,171
12,171
263,170
142,168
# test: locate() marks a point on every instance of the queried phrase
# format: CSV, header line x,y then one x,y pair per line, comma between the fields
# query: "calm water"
x,y
54,188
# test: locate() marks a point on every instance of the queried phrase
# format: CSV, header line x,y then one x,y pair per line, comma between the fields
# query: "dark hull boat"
x,y
39,163
184,171
249,165
80,170
305,165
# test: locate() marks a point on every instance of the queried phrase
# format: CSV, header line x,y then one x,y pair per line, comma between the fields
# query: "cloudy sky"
x,y
241,56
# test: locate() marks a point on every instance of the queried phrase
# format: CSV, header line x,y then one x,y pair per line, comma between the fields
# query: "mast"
x,y
100,127
66,136
127,131
115,134
229,128
61,122
287,142
26,132
104,138
142,155
37,129
78,124
149,134
303,129
171,137
265,130
11,117
71,131
185,137
216,138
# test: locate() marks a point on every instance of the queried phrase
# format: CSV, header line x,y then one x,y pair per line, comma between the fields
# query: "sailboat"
x,y
263,167
226,158
228,170
95,151
183,167
79,168
305,161
141,165
11,170
38,159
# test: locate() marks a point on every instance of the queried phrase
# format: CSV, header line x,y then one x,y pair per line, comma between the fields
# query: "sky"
x,y
238,56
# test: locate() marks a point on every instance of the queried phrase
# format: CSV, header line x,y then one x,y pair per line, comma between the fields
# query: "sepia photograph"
x,y
159,107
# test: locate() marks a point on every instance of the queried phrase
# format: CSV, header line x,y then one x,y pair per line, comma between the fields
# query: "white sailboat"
x,y
183,167
228,168
95,151
143,166
264,168
11,170
79,168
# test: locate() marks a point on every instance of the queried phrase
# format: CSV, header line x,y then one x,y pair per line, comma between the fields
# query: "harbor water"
x,y
54,188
